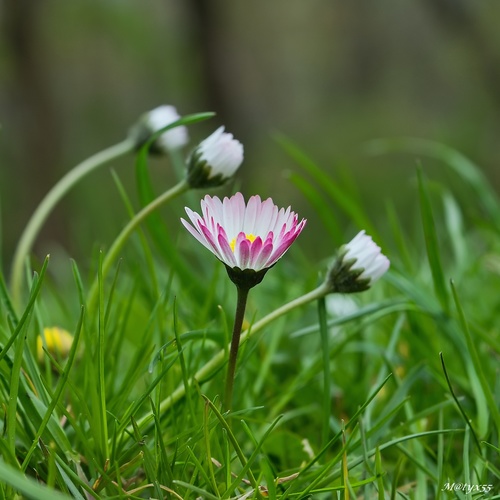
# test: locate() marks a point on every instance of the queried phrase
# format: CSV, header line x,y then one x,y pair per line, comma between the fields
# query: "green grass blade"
x,y
464,167
35,290
232,439
476,361
32,489
251,458
101,355
60,387
467,420
336,193
318,202
327,377
431,243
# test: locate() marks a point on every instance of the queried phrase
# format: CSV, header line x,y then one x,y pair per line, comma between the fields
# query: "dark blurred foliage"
x,y
328,74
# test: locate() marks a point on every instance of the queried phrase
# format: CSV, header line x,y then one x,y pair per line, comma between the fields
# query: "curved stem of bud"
x,y
48,204
128,230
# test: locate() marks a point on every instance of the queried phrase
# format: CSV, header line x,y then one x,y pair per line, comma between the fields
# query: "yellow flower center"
x,y
250,237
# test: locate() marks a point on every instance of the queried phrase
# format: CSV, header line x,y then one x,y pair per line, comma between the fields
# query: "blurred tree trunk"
x,y
458,18
31,123
208,42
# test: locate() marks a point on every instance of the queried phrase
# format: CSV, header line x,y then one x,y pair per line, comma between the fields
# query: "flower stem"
x,y
128,230
46,206
207,371
235,344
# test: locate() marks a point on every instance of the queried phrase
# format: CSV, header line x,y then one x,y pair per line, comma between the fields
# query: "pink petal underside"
x,y
221,232
285,243
241,236
242,252
255,249
196,234
269,238
287,226
226,253
262,260
210,237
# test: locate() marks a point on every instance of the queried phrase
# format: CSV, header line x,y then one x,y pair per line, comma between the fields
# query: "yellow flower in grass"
x,y
56,340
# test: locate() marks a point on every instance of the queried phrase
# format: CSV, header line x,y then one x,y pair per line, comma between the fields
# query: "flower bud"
x,y
215,160
155,120
358,265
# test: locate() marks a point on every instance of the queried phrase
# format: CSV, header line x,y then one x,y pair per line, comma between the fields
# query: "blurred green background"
x,y
330,75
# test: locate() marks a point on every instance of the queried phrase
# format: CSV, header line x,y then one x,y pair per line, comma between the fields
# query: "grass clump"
x,y
391,393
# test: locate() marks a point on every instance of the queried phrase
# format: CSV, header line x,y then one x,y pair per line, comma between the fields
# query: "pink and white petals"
x,y
246,236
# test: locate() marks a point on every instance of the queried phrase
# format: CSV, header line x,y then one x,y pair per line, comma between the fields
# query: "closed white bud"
x,y
215,160
359,264
153,121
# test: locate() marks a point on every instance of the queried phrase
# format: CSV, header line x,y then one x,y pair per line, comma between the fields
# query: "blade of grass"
x,y
59,389
476,361
29,487
232,439
20,336
150,465
345,470
36,286
198,466
251,458
467,420
337,436
191,487
336,193
182,362
431,242
327,376
154,222
399,238
317,201
144,244
380,475
103,425
165,470
206,433
450,157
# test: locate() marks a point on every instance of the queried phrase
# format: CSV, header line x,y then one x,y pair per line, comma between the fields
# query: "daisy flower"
x,y
248,238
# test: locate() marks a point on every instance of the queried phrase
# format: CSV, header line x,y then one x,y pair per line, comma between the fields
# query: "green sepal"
x,y
200,173
245,278
342,279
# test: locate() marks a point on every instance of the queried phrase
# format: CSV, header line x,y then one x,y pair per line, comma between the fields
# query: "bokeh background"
x,y
330,75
